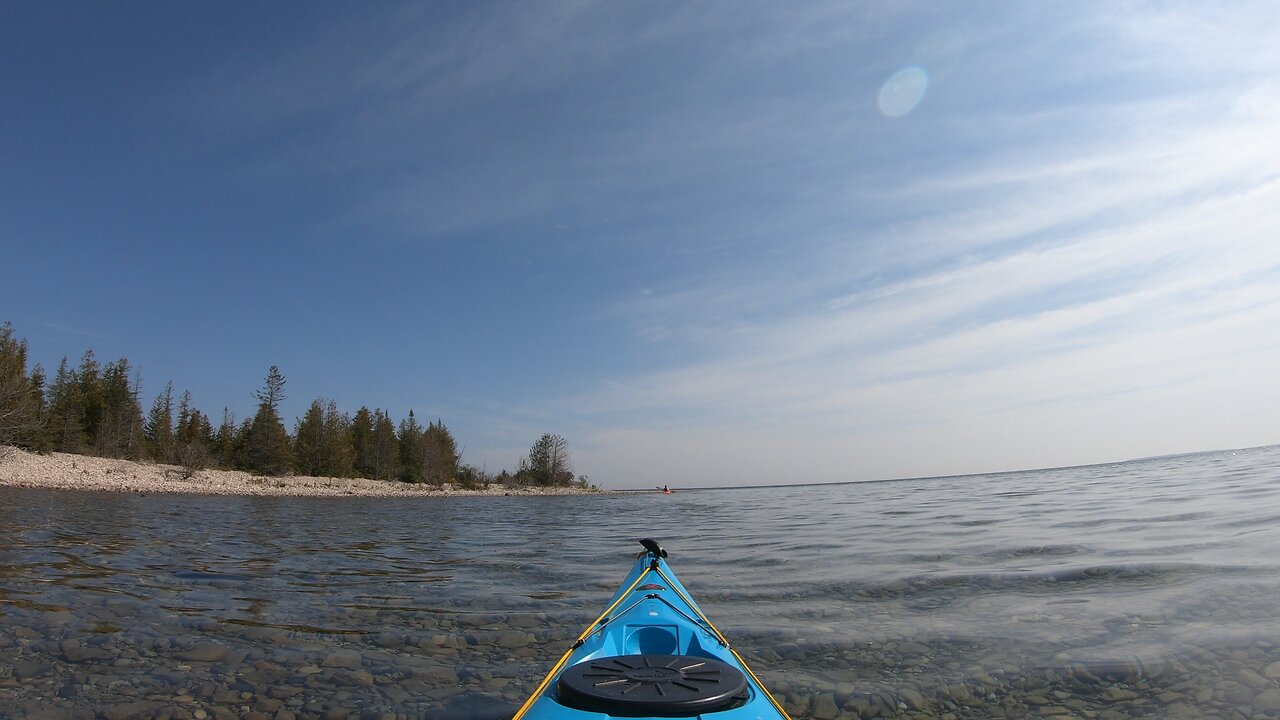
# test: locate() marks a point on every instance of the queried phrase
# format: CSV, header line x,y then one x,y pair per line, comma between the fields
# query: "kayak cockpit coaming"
x,y
656,626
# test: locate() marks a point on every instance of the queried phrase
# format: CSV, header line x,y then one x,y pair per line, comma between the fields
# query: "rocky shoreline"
x,y
63,471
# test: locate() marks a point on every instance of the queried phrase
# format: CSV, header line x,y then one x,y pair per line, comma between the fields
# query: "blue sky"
x,y
709,243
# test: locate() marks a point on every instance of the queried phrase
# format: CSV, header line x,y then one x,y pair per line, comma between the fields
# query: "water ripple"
x,y
992,588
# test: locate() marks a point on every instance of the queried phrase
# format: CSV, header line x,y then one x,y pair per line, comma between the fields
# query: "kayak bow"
x,y
651,654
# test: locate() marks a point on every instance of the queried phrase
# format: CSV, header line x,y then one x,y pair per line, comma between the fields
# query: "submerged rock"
x,y
345,658
825,707
204,652
1267,700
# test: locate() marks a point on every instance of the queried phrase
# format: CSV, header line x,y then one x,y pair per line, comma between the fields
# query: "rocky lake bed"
x,y
1147,590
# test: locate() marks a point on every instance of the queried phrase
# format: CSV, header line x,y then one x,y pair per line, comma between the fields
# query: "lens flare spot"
x,y
903,91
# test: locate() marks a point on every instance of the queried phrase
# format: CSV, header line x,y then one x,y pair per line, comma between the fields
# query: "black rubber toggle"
x,y
639,685
654,548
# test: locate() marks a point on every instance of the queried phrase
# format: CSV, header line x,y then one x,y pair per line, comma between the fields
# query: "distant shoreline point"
x,y
64,471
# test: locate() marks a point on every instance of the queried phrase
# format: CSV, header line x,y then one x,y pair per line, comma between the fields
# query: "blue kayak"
x,y
651,654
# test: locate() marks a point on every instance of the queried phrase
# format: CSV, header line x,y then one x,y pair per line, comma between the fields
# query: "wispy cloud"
x,y
1072,232
75,331
1049,294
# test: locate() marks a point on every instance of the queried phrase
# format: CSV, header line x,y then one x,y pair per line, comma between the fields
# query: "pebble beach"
x,y
63,471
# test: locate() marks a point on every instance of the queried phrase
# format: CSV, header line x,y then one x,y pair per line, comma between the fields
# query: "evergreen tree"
x,y
64,423
272,392
89,383
439,454
337,431
241,444
548,461
226,448
96,408
194,427
322,444
119,426
19,397
193,438
158,427
385,452
40,440
137,446
410,437
362,443
202,428
308,441
268,442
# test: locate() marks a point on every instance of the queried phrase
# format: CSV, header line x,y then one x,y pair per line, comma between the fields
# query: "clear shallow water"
x,y
1142,589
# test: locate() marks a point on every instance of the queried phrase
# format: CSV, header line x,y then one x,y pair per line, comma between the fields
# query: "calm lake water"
x,y
1141,589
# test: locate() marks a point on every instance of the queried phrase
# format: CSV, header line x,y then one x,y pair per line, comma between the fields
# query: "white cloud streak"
x,y
1080,307
1067,253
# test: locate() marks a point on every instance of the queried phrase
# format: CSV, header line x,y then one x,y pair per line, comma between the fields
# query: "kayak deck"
x,y
651,653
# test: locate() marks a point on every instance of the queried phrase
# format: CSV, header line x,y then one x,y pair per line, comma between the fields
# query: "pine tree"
x,y
241,444
19,398
193,427
89,399
322,441
339,457
268,444
193,438
268,448
362,443
225,447
40,441
158,427
272,392
439,454
119,426
548,461
410,437
386,447
63,418
308,441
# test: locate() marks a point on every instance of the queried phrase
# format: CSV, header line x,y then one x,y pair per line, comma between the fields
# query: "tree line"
x,y
96,409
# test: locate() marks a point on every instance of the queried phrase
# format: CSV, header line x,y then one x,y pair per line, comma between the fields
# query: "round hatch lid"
x,y
673,685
